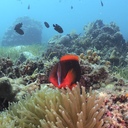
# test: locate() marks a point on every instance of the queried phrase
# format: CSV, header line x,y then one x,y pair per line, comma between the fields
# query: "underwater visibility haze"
x,y
60,12
64,64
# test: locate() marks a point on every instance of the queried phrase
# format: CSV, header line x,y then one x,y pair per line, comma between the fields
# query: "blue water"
x,y
60,12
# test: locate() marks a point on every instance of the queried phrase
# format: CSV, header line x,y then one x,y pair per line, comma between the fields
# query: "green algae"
x,y
122,71
15,51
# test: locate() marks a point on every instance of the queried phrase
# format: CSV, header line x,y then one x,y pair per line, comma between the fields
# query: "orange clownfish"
x,y
66,72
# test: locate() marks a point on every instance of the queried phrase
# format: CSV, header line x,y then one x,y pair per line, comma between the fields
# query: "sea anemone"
x,y
54,108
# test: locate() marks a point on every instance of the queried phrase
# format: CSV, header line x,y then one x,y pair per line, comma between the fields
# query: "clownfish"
x,y
66,72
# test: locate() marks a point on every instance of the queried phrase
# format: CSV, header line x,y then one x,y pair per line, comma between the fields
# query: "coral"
x,y
25,70
32,33
49,64
12,90
114,58
93,74
121,71
5,87
19,69
50,108
65,40
6,92
120,82
91,56
94,78
55,46
116,103
121,99
105,38
117,107
98,37
29,67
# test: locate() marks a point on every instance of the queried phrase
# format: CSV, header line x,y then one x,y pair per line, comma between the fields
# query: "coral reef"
x,y
117,106
32,33
104,39
103,59
91,56
121,71
54,108
93,73
24,76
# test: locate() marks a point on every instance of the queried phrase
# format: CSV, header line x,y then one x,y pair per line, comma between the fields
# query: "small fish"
x,y
66,72
28,6
101,3
58,28
71,7
18,29
46,24
19,25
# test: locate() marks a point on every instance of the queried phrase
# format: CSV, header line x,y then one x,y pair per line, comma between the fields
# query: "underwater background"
x,y
60,12
64,64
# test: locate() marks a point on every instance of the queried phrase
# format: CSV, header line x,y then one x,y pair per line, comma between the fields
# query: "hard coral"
x,y
91,56
117,107
93,75
120,98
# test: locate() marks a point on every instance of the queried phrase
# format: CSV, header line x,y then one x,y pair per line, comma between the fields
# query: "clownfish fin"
x,y
69,57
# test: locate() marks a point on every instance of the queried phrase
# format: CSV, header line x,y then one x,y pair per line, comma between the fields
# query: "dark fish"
x,y
46,25
19,25
58,28
101,3
66,72
71,7
28,6
18,29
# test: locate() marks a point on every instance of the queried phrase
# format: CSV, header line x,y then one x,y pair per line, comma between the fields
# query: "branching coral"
x,y
53,108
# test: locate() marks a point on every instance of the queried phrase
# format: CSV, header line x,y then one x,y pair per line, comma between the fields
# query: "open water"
x,y
71,15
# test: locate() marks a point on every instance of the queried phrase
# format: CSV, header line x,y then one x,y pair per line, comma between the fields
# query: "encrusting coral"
x,y
53,108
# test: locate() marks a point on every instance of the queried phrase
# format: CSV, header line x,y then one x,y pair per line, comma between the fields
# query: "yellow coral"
x,y
91,56
53,108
